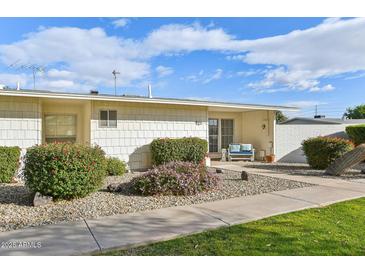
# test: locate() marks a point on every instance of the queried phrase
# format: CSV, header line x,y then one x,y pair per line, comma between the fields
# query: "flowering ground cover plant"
x,y
175,178
64,171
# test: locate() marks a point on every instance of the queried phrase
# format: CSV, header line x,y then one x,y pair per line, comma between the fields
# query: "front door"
x,y
226,132
213,134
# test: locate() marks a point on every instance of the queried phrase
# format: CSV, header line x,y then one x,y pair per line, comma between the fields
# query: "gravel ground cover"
x,y
353,175
16,210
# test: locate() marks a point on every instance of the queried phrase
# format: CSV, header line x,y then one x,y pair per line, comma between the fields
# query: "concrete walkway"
x,y
127,230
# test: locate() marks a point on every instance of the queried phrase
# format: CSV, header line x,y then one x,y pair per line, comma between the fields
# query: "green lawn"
x,y
338,229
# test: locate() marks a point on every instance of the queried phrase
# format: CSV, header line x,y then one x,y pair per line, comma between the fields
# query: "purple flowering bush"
x,y
175,178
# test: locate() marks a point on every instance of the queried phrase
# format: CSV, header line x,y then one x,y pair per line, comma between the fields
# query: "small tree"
x,y
280,117
357,112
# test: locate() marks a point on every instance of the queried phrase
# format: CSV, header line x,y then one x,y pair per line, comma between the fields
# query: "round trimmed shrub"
x,y
323,151
64,171
9,163
175,178
188,149
356,133
115,167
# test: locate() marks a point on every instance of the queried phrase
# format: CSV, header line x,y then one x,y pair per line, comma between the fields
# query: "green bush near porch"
x,y
9,163
323,151
63,170
356,133
191,149
115,167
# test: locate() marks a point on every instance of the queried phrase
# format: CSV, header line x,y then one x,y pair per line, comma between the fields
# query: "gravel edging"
x,y
16,211
352,175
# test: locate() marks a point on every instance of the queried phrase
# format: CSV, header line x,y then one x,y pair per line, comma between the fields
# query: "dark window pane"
x,y
227,132
112,118
213,135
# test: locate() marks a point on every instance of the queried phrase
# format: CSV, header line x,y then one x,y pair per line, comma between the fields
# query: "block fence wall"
x,y
289,139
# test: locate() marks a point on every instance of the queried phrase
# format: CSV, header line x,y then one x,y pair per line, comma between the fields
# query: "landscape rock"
x,y
17,212
218,170
40,200
244,175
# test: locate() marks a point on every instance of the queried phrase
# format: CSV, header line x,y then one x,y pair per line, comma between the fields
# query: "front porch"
x,y
256,127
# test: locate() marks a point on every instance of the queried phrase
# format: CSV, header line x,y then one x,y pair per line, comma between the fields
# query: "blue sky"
x,y
288,61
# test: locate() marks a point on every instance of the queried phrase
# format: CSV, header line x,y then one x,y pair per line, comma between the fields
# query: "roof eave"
x,y
74,96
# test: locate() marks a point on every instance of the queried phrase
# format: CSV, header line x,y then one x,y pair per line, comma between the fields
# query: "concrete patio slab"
x,y
151,226
245,209
60,239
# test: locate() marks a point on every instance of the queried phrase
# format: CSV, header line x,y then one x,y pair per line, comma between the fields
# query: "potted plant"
x,y
270,158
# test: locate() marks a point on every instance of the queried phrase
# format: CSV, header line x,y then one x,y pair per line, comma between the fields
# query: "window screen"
x,y
108,118
226,132
213,135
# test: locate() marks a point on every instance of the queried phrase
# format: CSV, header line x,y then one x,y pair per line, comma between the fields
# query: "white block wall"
x,y
290,137
20,122
139,124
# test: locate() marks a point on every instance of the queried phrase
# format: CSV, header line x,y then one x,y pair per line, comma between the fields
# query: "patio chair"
x,y
241,152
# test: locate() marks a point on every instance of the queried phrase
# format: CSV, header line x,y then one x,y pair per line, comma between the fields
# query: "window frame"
x,y
108,119
73,138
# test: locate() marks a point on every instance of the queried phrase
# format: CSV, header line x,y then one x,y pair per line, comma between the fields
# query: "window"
x,y
213,135
60,128
226,132
108,118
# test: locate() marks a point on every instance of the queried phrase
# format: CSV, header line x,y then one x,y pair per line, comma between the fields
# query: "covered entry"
x,y
65,121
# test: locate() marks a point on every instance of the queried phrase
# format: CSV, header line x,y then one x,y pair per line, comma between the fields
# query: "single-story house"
x,y
291,133
124,126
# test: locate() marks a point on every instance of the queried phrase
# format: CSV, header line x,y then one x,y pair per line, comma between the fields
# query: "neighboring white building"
x,y
291,133
124,126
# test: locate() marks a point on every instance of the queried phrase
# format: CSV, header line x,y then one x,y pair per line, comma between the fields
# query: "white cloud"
x,y
11,80
55,73
299,59
203,77
120,23
89,56
304,104
163,71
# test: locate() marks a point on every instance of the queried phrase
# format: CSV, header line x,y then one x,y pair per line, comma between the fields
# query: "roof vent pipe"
x,y
149,91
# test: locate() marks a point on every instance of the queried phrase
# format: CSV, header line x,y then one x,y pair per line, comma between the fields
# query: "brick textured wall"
x,y
139,124
20,122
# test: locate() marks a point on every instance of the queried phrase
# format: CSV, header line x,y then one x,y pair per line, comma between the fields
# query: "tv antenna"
x,y
33,67
114,72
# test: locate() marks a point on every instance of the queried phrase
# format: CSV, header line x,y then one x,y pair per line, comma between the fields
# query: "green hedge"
x,y
9,163
64,171
115,167
190,149
356,133
322,151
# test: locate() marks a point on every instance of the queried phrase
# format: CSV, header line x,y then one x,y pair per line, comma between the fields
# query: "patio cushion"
x,y
246,147
241,153
234,148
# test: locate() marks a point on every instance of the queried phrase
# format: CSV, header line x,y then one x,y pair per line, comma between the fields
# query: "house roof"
x,y
328,121
140,99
